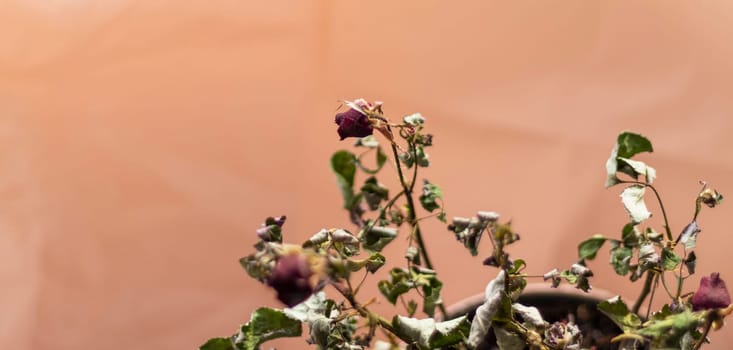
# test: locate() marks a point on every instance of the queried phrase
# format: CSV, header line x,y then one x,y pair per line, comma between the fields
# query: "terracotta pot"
x,y
555,304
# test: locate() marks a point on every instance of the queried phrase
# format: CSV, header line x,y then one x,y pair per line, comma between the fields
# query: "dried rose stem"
x,y
407,189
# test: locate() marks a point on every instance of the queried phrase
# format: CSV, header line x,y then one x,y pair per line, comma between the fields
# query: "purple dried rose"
x,y
291,278
353,123
712,294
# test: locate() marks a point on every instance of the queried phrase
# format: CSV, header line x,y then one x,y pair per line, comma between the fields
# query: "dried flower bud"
x,y
291,279
712,294
353,123
710,197
564,335
581,270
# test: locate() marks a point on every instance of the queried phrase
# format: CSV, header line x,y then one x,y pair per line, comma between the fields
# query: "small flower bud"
x,y
710,197
712,294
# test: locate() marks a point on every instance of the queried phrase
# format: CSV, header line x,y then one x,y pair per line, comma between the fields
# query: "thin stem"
x,y
366,273
407,189
666,289
651,296
644,292
411,206
364,312
414,169
382,211
681,279
705,333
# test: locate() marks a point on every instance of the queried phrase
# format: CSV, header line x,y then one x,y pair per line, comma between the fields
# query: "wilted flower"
x,y
353,123
564,335
291,278
712,294
710,197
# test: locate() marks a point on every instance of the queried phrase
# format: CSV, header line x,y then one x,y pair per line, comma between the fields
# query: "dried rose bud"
x,y
711,197
291,279
712,294
353,123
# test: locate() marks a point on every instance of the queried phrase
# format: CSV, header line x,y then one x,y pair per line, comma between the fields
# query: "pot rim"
x,y
536,290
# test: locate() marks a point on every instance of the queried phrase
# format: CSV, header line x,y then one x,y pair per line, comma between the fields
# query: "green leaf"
x,y
375,261
589,248
633,200
428,334
627,145
421,157
639,168
411,307
398,284
377,238
380,160
266,324
630,236
441,217
620,259
374,193
672,328
431,296
255,268
407,159
517,267
670,260
630,144
691,262
218,344
430,194
343,164
619,313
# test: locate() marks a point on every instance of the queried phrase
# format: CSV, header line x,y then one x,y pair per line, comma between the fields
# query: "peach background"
x,y
144,141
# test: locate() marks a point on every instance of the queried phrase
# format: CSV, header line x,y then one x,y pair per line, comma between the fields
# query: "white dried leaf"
x,y
611,167
641,168
633,199
485,313
531,316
